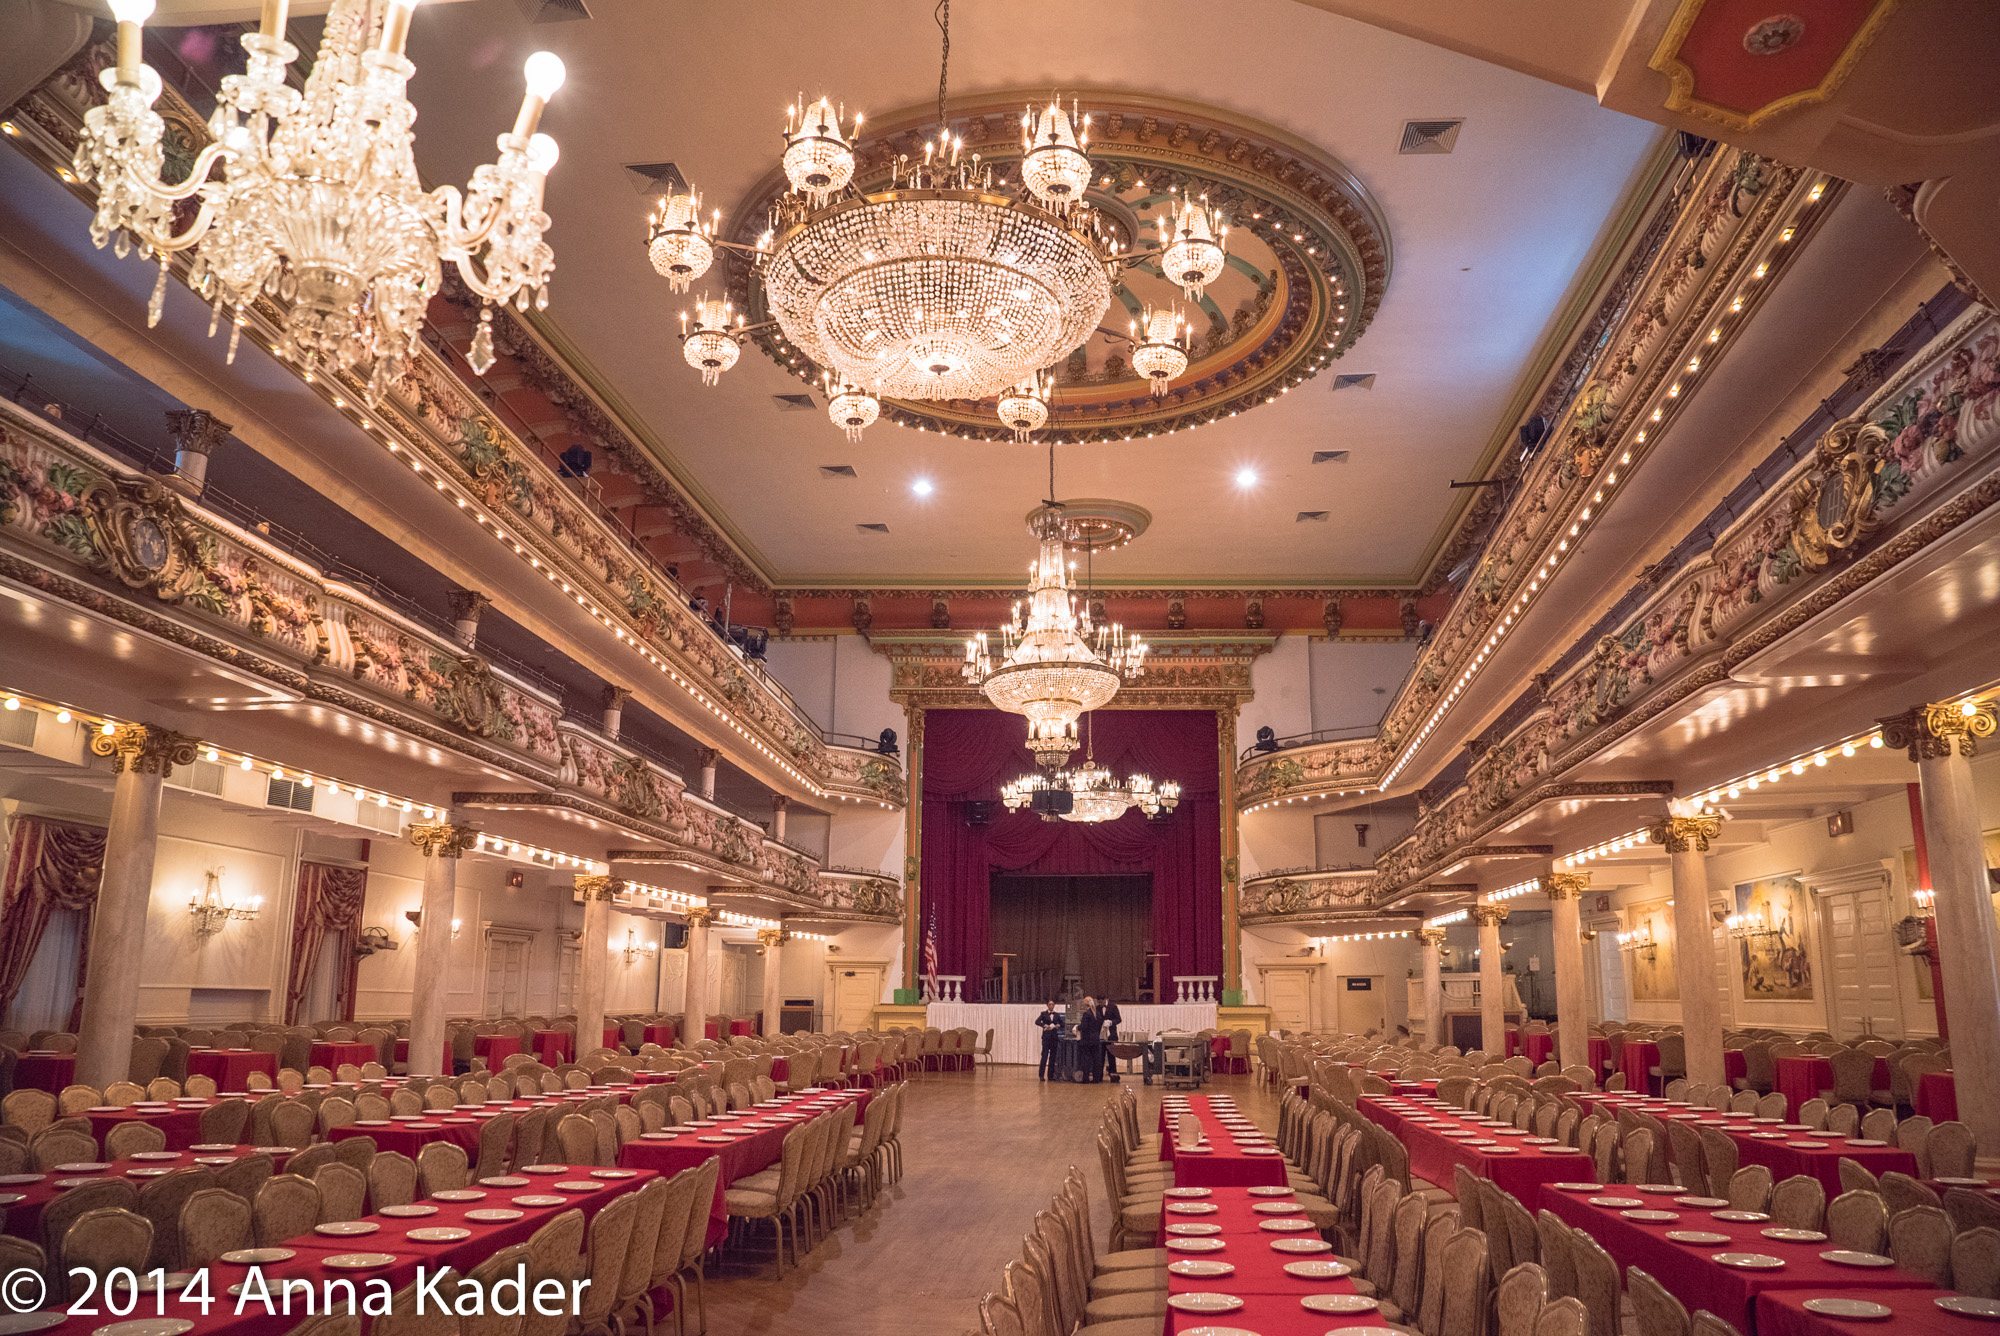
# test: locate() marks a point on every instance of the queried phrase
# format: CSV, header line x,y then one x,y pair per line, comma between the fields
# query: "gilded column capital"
x,y
773,936
779,802
700,914
1928,731
1489,916
1679,834
144,749
614,698
467,604
1431,936
706,757
196,431
599,888
1565,885
442,839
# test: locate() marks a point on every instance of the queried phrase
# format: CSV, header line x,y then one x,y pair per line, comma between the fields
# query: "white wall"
x,y
1336,843
805,668
1353,681
1281,686
1390,961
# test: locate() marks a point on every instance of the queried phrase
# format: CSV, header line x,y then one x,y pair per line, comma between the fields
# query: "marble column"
x,y
442,842
1492,982
705,758
774,991
196,433
1941,739
1685,835
594,960
466,605
1565,891
142,756
779,802
613,700
694,1003
1432,940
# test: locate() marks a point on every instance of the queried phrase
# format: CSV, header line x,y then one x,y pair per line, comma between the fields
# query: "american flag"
x,y
930,960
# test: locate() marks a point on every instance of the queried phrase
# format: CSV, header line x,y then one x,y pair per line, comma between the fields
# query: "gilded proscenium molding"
x,y
1565,885
1194,671
1315,279
1684,834
1289,897
444,839
431,418
1929,732
144,749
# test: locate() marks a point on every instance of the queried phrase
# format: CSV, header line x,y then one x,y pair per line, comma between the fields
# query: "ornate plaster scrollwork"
x,y
145,749
144,538
442,839
1833,506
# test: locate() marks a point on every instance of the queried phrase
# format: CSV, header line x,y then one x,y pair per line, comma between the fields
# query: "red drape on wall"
x,y
51,865
329,900
969,754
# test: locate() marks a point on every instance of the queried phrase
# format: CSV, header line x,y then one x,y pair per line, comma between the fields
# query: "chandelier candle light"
x,y
318,202
1162,356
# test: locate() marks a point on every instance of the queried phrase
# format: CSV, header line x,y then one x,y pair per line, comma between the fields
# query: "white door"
x,y
1288,993
1855,928
856,990
566,971
1363,1004
506,976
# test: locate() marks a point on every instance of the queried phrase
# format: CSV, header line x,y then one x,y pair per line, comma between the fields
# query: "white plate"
x,y
1657,1189
1199,1266
1579,1187
1276,1207
175,1155
1966,1306
215,1159
1805,1145
1848,1308
1178,1150
492,1215
1962,1182
614,1173
206,1145
82,1167
1195,1245
1748,1261
1189,1193
151,1326
1794,1235
1192,1208
13,1324
346,1229
1260,1150
563,1168
1652,1217
576,1185
1338,1303
410,1211
1286,1226
1619,1202
1540,1141
536,1199
1495,1150
1189,1230
1742,1217
1201,1301
1263,1192
504,1181
1316,1268
67,1183
717,1141
459,1194
1707,1236
1702,1203
438,1234
1301,1246
1850,1257
358,1261
147,1173
258,1256
10,1198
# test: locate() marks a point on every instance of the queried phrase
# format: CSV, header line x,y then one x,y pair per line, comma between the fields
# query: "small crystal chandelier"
x,y
1162,357
1095,794
1193,254
680,246
1025,407
710,346
1055,165
318,202
818,160
851,408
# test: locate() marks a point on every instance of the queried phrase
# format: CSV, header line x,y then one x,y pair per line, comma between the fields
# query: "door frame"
x,y
1313,970
1380,994
492,933
1860,879
837,966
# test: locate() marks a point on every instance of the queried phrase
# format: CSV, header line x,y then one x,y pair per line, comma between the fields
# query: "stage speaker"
x,y
1054,802
979,813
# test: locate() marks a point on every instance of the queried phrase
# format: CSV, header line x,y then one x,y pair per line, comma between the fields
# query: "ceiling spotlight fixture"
x,y
318,202
1246,477
922,487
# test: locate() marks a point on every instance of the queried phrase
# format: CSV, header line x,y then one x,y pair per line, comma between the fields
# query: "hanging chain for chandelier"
x,y
318,202
950,284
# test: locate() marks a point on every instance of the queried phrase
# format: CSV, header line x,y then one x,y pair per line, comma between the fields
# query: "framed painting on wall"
x,y
1651,969
1776,964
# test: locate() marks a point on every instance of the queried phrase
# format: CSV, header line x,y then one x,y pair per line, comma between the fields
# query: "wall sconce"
x,y
1640,941
416,918
1926,902
1749,927
635,948
211,909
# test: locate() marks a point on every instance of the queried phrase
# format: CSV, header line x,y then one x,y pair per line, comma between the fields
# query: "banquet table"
x,y
402,1052
1539,1046
1912,1313
333,1056
229,1068
1016,1040
742,1025
1600,1054
1936,1097
1637,1062
406,1134
1271,1297
1434,1154
496,1048
179,1120
1800,1079
670,1153
1688,1270
1781,1151
554,1047
45,1071
23,1202
1226,1159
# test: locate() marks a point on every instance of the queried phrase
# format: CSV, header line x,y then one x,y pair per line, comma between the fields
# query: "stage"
x,y
1015,1038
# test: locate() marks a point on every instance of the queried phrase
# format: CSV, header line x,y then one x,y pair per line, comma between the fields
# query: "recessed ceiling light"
x,y
922,487
1246,477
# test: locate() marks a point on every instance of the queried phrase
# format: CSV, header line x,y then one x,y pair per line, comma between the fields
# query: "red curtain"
x,y
329,900
51,865
969,754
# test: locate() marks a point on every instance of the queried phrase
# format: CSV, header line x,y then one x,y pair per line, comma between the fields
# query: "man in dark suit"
x,y
1108,1008
1050,1023
1090,1046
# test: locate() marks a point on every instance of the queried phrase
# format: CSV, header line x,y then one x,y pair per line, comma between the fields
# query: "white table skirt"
x,y
1015,1038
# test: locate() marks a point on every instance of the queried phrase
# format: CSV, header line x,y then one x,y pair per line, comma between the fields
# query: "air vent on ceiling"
x,y
201,777
1430,136
1365,381
873,528
1329,456
286,793
1313,516
794,403
655,178
17,727
836,471
553,11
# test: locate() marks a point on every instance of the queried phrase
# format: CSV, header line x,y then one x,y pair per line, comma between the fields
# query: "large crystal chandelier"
x,y
1054,664
1095,794
951,283
318,202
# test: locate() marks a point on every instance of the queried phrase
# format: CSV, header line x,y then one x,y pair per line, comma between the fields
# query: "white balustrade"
x,y
950,988
1197,987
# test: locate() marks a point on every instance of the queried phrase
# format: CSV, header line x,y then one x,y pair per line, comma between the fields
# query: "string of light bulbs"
x,y
1442,920
1366,936
1301,797
1519,888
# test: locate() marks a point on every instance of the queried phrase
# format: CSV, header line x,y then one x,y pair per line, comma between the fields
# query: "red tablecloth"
x,y
496,1048
1433,1155
781,1070
1801,1079
181,1124
1936,1098
1783,1313
742,1156
1271,1298
45,1071
1755,1144
742,1026
1640,1057
1226,1161
1539,1046
332,1056
554,1046
1600,1055
407,1138
1687,1270
24,1217
1733,1067
228,1067
662,1034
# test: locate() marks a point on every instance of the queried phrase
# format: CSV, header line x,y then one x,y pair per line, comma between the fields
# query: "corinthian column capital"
x,y
1487,916
1678,834
773,936
442,839
1565,885
145,749
1431,936
599,888
1928,731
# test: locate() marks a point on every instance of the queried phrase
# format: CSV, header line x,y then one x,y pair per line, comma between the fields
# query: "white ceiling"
x,y
1487,243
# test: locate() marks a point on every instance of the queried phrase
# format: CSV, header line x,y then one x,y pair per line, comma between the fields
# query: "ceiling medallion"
x,y
1308,258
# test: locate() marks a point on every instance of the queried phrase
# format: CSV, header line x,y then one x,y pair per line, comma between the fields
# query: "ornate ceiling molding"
x,y
1741,65
1195,672
1298,293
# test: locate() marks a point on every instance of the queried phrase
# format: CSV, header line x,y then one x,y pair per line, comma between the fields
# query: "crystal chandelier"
x,y
1162,356
949,284
1054,664
1025,407
1095,794
851,408
318,202
679,245
708,345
